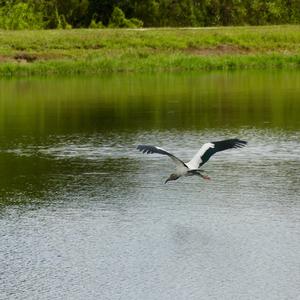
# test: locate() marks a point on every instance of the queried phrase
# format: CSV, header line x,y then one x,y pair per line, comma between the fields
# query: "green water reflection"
x,y
38,107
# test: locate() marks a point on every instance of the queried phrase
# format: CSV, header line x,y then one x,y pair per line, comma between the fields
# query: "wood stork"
x,y
192,167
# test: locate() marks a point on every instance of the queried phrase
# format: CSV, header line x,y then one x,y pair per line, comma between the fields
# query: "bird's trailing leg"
x,y
198,173
204,176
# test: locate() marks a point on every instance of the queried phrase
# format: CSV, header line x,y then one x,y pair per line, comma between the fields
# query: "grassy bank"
x,y
94,51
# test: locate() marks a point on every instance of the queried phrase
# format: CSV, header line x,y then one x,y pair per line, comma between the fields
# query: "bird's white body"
x,y
181,170
193,164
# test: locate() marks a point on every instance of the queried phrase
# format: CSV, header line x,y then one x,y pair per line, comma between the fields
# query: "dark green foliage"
x,y
22,14
148,11
101,10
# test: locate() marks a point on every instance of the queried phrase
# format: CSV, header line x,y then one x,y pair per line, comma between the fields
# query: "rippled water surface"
x,y
84,215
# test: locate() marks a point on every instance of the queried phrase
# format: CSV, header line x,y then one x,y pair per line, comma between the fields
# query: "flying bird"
x,y
192,168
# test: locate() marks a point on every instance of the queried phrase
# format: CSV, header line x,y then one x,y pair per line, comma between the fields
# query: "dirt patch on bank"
x,y
218,50
25,57
4,59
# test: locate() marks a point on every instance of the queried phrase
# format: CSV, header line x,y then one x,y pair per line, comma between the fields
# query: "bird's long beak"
x,y
167,180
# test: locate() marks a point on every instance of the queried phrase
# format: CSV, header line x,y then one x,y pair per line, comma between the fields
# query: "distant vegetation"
x,y
94,51
38,14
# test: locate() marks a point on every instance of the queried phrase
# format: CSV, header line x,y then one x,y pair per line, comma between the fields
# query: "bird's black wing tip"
x,y
145,149
241,143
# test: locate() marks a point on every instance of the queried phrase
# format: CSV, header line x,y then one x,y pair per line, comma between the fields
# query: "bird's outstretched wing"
x,y
152,149
209,149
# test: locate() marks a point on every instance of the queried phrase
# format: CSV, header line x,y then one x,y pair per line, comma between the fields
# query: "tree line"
x,y
35,14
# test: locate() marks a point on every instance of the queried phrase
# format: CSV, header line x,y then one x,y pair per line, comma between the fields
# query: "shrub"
x,y
136,22
118,20
94,24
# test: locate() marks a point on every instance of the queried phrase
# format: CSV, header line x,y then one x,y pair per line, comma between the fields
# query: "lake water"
x,y
84,215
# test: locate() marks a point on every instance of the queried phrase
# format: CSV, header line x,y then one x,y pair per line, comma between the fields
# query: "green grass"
x,y
94,51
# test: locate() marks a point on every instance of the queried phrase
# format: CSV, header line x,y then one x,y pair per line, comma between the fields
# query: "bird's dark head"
x,y
172,177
